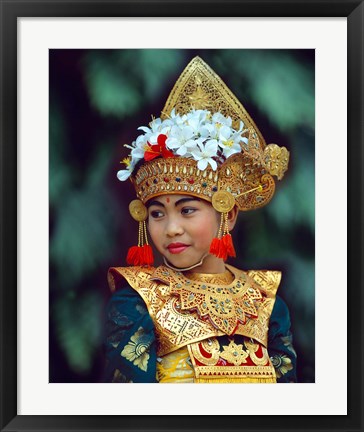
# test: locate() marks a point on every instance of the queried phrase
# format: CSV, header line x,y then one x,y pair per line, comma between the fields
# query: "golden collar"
x,y
225,305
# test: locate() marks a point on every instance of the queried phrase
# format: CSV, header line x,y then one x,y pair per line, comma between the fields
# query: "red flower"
x,y
159,149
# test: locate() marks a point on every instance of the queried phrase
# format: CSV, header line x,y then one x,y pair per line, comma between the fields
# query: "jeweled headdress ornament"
x,y
204,144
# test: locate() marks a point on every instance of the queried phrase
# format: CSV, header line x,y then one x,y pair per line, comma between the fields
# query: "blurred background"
x,y
97,100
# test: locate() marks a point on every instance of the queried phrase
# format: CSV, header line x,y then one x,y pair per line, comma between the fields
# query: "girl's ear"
x,y
232,217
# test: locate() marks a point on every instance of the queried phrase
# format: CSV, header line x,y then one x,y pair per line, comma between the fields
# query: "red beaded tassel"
x,y
141,255
222,246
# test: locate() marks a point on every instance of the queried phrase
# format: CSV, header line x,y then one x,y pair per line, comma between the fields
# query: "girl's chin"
x,y
178,261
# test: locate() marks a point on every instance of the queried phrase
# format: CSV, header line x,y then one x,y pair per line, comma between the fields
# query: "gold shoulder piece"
x,y
200,87
135,276
268,280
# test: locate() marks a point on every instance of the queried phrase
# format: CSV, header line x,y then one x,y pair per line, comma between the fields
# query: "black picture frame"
x,y
13,9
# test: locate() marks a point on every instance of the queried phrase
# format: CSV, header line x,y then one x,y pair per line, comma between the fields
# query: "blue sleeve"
x,y
130,347
280,348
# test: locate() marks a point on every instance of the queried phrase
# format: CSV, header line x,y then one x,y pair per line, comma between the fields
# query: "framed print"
x,y
77,81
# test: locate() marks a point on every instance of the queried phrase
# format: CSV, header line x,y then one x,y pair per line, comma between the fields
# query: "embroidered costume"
x,y
171,324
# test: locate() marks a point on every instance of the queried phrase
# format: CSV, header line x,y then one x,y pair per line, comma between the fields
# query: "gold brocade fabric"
x,y
220,320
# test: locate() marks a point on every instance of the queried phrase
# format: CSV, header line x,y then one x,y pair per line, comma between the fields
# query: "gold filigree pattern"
x,y
177,327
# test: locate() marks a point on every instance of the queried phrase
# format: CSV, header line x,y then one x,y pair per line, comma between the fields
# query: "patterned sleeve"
x,y
129,339
280,348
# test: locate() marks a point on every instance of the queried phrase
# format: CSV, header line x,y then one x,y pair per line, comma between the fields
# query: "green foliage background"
x,y
97,99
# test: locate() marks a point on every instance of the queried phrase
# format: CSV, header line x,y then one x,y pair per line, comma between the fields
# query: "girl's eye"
x,y
156,214
187,210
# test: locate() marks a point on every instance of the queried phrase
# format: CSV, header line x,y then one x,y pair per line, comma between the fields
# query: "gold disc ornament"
x,y
223,201
138,210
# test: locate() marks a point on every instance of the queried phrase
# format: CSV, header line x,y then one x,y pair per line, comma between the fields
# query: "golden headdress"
x,y
204,144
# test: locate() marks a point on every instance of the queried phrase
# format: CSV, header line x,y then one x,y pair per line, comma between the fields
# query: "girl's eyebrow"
x,y
177,203
185,200
155,203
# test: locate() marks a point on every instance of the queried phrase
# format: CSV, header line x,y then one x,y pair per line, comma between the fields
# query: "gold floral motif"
x,y
136,349
234,353
199,99
282,364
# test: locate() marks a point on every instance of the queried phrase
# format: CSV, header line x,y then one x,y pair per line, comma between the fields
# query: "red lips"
x,y
176,248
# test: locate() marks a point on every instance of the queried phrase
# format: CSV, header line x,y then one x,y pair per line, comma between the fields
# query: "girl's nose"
x,y
173,228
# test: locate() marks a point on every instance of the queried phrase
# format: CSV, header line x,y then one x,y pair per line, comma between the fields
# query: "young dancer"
x,y
195,318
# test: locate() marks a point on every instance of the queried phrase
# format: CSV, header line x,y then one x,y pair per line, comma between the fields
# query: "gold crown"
x,y
246,175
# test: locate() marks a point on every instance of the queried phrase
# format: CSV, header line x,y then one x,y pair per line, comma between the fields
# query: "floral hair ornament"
x,y
204,144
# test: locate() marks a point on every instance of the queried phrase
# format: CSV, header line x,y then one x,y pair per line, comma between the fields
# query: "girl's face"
x,y
182,228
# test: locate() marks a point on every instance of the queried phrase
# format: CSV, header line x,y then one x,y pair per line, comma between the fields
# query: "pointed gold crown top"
x,y
200,87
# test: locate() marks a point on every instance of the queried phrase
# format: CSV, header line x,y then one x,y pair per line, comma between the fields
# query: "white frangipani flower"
x,y
220,119
181,139
204,154
126,173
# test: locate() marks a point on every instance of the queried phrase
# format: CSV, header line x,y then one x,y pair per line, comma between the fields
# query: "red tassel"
x,y
223,248
133,256
214,247
148,255
140,255
218,248
229,246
